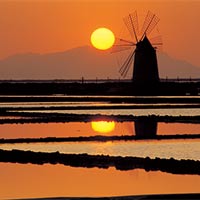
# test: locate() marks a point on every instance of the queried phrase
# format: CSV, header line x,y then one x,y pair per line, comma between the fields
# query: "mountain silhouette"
x,y
84,62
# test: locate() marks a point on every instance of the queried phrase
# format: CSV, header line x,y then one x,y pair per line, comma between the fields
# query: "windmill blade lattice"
x,y
127,64
122,45
157,42
132,44
131,22
149,24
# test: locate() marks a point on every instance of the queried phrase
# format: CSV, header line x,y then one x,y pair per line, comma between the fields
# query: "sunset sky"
x,y
44,26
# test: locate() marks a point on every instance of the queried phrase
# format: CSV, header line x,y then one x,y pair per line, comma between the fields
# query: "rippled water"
x,y
135,112
105,102
178,149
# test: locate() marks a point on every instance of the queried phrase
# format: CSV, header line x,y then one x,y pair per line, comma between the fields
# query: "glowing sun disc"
x,y
103,126
102,38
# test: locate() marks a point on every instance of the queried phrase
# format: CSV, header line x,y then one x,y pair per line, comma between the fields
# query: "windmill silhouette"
x,y
143,52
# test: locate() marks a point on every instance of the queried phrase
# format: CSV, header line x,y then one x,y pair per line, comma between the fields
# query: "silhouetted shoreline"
x,y
116,87
41,117
117,98
97,138
102,161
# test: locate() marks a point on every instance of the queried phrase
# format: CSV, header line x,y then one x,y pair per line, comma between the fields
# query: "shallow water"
x,y
134,112
32,181
177,149
29,181
103,101
76,129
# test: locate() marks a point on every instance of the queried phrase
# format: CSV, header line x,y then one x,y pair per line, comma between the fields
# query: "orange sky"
x,y
43,26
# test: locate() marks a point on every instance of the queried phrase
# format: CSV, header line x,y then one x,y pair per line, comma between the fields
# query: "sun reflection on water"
x,y
103,126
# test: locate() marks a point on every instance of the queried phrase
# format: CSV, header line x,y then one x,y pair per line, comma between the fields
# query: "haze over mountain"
x,y
83,62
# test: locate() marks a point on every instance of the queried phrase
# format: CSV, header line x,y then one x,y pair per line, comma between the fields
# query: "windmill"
x,y
142,54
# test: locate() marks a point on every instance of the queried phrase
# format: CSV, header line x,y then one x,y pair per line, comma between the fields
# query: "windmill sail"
x,y
131,22
142,51
149,24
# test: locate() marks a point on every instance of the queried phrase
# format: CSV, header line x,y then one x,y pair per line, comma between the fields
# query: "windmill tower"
x,y
142,54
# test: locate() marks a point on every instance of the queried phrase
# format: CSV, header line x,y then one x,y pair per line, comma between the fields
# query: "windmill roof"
x,y
145,43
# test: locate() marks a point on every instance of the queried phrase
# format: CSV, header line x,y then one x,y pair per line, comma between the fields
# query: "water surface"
x,y
76,129
134,112
177,149
29,181
32,181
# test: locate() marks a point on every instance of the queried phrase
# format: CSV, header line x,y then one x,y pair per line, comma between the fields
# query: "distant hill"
x,y
172,68
83,62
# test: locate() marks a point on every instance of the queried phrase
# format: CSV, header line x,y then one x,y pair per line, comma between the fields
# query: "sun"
x,y
103,126
102,38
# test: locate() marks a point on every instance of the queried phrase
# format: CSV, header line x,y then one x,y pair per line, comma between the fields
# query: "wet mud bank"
x,y
97,138
98,87
40,117
102,161
109,98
